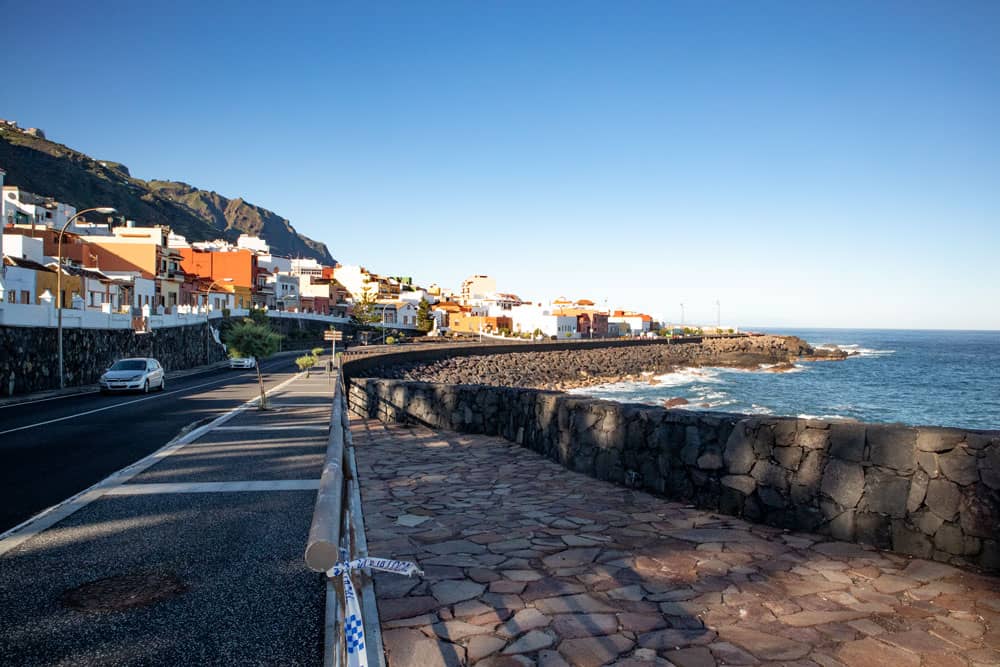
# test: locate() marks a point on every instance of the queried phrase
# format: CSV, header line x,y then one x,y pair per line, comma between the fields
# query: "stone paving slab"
x,y
528,563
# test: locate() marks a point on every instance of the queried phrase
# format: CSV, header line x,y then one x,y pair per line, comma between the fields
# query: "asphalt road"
x,y
55,448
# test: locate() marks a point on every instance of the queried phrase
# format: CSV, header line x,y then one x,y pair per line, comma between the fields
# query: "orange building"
x,y
236,268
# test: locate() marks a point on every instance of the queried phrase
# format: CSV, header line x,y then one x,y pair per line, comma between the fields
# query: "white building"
x,y
477,288
22,207
286,291
19,280
527,318
254,243
274,263
24,247
306,267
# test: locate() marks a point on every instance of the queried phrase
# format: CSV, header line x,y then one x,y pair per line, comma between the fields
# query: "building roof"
x,y
20,262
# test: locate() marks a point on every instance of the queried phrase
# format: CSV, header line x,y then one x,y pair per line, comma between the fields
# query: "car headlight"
x,y
135,377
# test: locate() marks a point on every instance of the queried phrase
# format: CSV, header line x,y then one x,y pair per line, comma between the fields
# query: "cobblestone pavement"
x,y
528,563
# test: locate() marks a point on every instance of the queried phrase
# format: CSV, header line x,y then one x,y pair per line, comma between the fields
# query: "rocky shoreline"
x,y
573,369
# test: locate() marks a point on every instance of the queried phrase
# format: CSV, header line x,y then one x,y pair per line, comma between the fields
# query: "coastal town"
x,y
121,273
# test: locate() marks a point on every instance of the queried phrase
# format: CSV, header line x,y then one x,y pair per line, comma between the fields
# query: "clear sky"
x,y
807,163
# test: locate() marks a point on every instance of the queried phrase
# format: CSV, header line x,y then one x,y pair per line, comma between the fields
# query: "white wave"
x,y
826,417
854,349
687,376
760,409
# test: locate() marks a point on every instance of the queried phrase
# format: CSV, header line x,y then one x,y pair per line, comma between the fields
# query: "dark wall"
x,y
29,362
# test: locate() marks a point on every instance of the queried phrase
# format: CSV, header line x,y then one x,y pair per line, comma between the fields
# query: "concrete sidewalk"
x,y
195,556
528,563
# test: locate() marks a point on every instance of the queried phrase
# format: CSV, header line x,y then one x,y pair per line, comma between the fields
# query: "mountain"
x,y
51,169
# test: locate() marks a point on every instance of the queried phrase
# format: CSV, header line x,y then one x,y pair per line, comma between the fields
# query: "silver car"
x,y
139,374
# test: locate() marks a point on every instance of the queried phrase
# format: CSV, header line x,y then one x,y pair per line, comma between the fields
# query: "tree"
x,y
306,362
254,340
365,314
425,319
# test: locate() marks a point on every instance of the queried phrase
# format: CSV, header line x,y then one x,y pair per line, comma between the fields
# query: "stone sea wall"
x,y
928,492
28,355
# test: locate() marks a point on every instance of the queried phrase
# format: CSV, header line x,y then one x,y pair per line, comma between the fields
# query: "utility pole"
x,y
718,315
682,316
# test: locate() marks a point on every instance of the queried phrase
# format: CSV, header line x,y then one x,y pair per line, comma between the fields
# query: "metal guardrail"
x,y
338,523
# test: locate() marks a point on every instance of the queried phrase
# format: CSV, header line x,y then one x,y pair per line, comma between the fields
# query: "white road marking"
x,y
112,407
251,427
214,487
53,515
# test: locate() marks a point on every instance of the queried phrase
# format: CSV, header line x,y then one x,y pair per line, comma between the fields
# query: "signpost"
x,y
333,336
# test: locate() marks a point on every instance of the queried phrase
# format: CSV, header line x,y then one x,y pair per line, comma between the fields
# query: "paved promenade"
x,y
194,557
528,563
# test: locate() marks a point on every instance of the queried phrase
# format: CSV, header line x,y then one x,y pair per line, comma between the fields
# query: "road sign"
x,y
333,335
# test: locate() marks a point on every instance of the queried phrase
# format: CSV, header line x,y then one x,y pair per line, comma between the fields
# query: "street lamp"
x,y
208,327
59,295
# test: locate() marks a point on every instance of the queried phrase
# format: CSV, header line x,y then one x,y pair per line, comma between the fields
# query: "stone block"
x,y
892,447
788,457
692,436
847,441
783,432
989,467
844,482
943,498
918,491
926,521
979,512
710,460
812,438
931,439
745,484
771,497
810,469
950,538
959,466
928,462
738,454
885,493
989,555
768,474
874,529
841,527
909,540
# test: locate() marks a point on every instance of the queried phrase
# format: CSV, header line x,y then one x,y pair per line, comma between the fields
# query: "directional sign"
x,y
333,335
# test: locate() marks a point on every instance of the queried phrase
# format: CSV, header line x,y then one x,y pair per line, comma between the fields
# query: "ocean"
x,y
944,378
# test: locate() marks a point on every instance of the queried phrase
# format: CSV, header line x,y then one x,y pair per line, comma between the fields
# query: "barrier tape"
x,y
354,627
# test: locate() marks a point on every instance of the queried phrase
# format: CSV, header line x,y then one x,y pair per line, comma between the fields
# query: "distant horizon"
x,y
831,164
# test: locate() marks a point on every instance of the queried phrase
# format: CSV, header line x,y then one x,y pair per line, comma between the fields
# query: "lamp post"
x,y
59,270
208,292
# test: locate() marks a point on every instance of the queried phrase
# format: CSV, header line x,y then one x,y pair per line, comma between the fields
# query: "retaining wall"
x,y
923,491
29,362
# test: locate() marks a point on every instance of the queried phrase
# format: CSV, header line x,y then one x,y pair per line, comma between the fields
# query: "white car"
x,y
243,362
138,374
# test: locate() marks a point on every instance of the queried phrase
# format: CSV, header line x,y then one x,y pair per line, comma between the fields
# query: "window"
x,y
25,296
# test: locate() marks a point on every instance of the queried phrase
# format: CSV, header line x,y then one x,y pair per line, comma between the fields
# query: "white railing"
x,y
30,315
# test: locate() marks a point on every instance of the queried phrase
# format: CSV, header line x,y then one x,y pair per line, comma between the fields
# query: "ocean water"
x,y
947,378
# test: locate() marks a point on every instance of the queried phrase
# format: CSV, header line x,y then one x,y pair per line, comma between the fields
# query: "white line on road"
x,y
214,487
53,515
251,427
116,405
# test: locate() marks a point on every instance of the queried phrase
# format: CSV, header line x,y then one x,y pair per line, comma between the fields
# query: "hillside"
x,y
51,169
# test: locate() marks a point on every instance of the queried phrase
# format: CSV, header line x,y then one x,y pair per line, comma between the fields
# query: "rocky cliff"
x,y
51,169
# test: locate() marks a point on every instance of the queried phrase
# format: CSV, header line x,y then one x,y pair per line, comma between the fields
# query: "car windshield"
x,y
129,365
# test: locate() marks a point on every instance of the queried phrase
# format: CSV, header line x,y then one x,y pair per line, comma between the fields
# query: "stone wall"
x,y
29,361
928,492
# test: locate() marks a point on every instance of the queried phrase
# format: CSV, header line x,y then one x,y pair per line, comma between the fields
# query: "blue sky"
x,y
807,163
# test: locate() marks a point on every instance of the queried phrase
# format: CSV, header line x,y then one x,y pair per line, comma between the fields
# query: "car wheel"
x,y
163,384
145,387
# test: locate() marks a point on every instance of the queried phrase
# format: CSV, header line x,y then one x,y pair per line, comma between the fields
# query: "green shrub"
x,y
390,341
317,351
